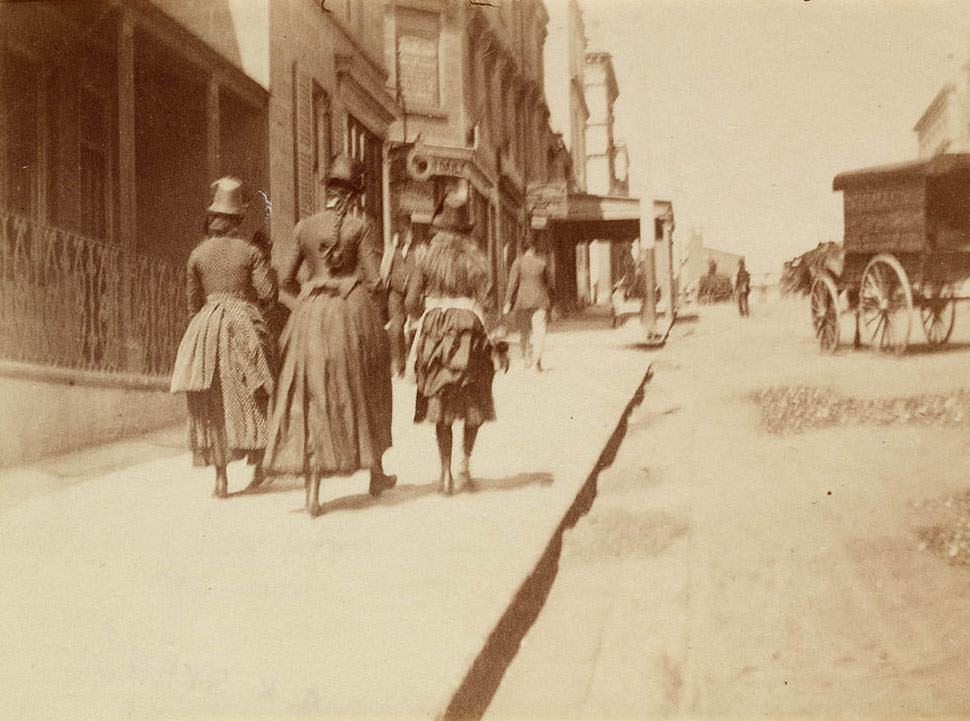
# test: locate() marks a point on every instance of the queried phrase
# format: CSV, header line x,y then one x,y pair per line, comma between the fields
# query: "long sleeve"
x,y
194,292
288,263
550,286
513,289
263,280
414,298
370,260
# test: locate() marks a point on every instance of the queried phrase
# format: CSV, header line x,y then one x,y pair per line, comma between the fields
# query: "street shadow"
x,y
409,492
915,349
510,483
391,497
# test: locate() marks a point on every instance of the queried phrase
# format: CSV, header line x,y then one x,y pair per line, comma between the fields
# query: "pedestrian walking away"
x,y
397,267
224,363
332,409
530,295
742,287
452,354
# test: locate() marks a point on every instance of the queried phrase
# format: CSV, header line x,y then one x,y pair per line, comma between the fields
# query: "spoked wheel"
x,y
886,305
938,313
825,312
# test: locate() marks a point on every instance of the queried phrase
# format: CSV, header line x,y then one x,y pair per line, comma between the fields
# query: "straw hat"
x,y
228,197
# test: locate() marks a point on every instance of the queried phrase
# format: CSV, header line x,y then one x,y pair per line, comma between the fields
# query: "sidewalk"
x,y
134,594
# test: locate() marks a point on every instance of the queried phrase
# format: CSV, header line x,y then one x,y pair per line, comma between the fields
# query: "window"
x,y
366,147
417,58
322,151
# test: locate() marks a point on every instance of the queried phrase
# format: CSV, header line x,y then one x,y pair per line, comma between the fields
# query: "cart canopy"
x,y
913,171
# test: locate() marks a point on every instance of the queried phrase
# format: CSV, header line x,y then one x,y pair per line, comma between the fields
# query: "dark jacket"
x,y
530,284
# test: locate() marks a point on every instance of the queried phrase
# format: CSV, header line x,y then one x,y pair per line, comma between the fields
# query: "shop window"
x,y
366,147
417,58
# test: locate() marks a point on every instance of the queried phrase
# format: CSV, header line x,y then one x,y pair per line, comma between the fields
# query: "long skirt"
x,y
332,410
453,369
224,365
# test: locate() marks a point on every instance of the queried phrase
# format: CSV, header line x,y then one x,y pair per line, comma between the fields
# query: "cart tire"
x,y
938,313
886,305
825,312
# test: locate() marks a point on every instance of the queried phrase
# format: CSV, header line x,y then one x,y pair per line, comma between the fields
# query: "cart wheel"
x,y
825,312
886,305
938,313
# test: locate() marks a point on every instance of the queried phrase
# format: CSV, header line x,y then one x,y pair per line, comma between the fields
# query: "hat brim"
x,y
341,183
226,210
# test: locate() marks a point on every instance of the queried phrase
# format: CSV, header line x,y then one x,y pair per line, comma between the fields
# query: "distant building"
x,y
696,261
944,126
584,208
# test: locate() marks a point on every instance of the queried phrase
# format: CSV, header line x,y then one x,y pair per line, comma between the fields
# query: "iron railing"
x,y
73,302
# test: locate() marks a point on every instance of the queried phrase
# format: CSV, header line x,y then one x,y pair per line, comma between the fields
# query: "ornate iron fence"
x,y
74,302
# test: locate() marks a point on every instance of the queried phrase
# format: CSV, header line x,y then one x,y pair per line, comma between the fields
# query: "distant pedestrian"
x,y
452,352
332,409
397,267
530,295
224,363
742,287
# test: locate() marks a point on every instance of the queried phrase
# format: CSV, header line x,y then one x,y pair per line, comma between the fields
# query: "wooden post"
x,y
648,312
127,180
212,131
132,351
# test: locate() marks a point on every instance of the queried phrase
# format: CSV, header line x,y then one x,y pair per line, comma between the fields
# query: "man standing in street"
x,y
397,266
742,286
530,294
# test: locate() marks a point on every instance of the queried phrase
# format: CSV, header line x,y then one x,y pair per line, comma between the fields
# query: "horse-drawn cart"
x,y
906,245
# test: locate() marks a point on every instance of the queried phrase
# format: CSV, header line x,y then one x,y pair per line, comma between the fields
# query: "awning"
x,y
585,216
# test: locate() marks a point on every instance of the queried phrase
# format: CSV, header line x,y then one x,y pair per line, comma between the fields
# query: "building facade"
x,y
585,206
115,118
944,127
469,78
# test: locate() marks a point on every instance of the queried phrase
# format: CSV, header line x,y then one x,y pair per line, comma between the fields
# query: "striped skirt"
x,y
224,366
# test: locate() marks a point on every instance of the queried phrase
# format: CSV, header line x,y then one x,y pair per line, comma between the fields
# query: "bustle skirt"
x,y
453,369
332,410
224,365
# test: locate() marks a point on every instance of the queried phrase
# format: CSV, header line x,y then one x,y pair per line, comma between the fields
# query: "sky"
x,y
741,112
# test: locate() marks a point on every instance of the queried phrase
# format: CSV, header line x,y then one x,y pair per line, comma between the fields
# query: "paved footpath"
x,y
133,594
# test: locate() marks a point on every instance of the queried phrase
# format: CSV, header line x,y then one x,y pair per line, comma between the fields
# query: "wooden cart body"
x,y
906,245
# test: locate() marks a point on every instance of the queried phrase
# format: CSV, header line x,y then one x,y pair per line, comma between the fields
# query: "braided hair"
x,y
333,253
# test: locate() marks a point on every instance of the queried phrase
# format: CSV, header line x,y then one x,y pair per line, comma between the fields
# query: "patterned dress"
x,y
224,363
332,410
453,356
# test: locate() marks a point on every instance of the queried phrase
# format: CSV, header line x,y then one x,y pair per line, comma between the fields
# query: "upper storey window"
x,y
417,58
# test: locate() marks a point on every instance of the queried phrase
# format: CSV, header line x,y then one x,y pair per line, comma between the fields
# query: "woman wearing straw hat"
x,y
332,410
451,353
224,362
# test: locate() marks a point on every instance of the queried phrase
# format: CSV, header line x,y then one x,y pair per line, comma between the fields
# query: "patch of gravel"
x,y
949,537
795,409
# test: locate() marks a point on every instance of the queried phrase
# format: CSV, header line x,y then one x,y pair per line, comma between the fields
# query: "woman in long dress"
x,y
332,410
224,363
452,353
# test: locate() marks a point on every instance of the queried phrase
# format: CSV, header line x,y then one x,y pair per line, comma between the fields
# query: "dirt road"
x,y
731,568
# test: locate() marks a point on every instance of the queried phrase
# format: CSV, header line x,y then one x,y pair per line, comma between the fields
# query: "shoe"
x,y
539,366
381,483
